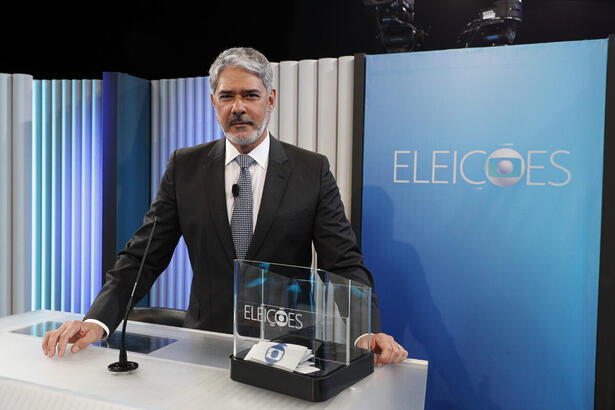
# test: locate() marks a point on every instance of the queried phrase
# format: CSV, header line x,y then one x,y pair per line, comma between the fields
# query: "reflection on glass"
x,y
134,342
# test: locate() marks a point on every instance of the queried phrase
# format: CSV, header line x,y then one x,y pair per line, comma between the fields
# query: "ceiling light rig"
x,y
494,26
395,19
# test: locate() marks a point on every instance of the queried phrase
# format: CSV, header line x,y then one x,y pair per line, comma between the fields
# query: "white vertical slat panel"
x,y
6,255
288,102
22,192
199,109
307,121
189,113
345,95
275,115
158,292
327,110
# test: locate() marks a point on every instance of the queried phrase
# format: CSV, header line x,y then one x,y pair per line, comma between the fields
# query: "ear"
x,y
272,99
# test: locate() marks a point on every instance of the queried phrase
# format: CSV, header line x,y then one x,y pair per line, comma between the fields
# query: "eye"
x,y
225,97
252,96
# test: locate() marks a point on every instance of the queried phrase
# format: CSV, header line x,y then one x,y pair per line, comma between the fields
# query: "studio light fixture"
x,y
396,27
494,26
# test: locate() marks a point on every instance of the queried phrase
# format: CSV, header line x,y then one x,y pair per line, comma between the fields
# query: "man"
x,y
287,198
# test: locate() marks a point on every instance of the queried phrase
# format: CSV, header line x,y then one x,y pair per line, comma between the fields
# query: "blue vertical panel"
x,y
96,192
76,163
161,286
37,179
56,200
66,195
86,199
482,190
173,141
66,187
46,204
184,116
182,105
131,134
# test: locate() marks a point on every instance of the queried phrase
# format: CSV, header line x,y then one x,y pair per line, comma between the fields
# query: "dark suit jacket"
x,y
300,203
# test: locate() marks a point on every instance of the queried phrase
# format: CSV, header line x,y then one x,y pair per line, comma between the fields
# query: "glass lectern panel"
x,y
319,310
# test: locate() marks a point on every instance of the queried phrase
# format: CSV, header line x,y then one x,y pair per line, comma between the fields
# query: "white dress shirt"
x,y
258,171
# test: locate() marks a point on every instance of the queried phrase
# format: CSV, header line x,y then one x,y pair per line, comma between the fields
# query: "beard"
x,y
250,139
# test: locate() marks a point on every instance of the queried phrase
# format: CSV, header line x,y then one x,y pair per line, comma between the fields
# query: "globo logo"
x,y
504,167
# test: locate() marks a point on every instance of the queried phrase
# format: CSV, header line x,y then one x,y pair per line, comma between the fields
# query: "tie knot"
x,y
244,161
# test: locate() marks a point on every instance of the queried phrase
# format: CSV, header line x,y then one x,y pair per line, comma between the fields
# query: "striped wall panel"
x,y
182,115
314,111
15,192
66,194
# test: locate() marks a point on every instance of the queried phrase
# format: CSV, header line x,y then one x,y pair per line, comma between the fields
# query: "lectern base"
x,y
314,387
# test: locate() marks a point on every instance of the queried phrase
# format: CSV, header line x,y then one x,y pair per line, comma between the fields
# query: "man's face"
x,y
242,107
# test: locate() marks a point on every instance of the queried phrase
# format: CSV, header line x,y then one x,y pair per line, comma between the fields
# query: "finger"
x,y
404,355
88,338
45,341
386,352
65,337
363,342
399,354
53,339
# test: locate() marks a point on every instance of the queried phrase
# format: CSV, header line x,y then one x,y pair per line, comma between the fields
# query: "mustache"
x,y
240,118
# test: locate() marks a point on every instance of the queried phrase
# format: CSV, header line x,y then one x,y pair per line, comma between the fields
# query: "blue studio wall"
x,y
482,192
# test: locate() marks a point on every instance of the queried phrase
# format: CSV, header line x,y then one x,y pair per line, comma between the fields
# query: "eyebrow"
x,y
254,90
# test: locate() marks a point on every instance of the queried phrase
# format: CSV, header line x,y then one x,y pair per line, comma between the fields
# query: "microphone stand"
x,y
123,365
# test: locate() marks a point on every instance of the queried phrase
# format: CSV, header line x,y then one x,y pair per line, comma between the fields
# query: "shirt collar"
x,y
260,154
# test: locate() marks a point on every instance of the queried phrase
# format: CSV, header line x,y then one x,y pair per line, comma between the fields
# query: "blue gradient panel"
x,y
481,218
182,115
133,155
66,194
37,190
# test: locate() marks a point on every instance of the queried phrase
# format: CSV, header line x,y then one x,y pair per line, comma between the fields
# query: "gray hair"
x,y
246,58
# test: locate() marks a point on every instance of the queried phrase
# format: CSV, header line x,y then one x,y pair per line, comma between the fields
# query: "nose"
x,y
238,107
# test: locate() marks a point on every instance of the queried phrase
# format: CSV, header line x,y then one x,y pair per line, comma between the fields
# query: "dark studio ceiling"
x,y
170,39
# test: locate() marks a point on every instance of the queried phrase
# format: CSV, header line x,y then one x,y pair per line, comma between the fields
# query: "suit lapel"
x,y
278,173
213,174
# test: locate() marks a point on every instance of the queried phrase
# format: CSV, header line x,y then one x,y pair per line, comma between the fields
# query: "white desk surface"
x,y
191,373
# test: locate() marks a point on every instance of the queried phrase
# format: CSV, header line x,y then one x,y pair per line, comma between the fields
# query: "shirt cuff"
x,y
357,339
105,328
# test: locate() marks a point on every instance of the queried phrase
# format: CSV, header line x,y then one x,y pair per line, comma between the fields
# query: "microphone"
x,y
124,365
235,190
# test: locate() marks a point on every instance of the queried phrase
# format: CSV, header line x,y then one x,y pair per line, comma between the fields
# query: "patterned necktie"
x,y
241,221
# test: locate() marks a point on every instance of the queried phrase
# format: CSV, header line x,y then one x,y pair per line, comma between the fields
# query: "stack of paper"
x,y
286,356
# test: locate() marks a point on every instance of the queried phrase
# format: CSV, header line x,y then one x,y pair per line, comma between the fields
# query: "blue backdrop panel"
x,y
126,158
481,218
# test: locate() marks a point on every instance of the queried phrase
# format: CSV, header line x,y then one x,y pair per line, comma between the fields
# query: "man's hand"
x,y
79,333
386,349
